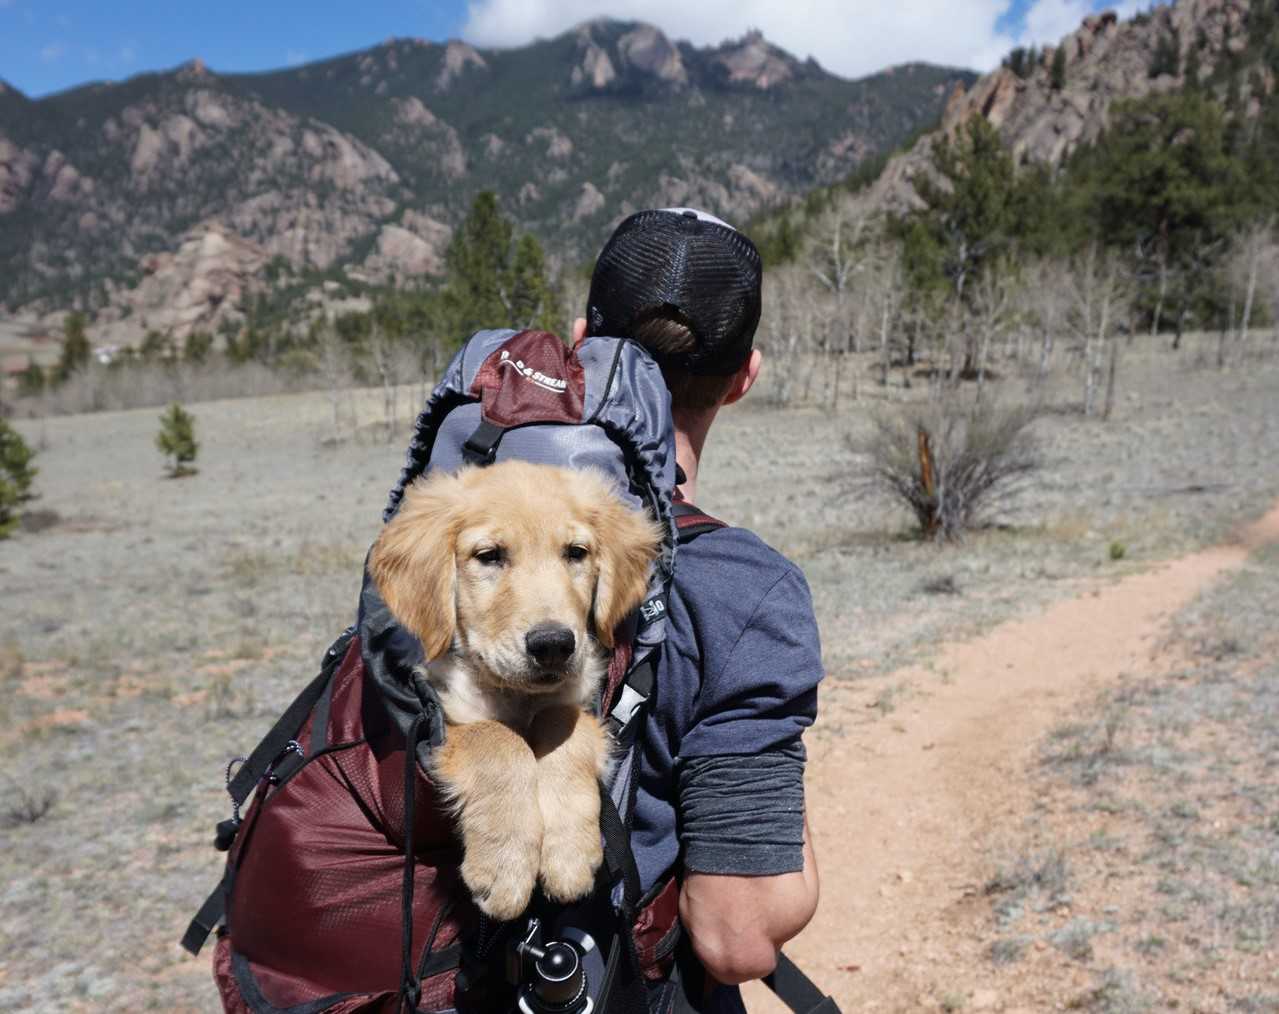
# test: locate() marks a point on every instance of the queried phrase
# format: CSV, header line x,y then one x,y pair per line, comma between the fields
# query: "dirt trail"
x,y
906,809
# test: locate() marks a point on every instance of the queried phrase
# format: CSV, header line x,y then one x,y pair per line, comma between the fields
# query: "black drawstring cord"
x,y
410,987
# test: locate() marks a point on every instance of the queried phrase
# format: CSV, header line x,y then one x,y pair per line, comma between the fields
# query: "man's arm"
x,y
738,924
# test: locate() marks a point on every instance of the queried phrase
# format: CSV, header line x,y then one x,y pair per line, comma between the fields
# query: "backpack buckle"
x,y
481,446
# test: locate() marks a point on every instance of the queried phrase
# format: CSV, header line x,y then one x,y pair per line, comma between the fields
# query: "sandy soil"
x,y
906,811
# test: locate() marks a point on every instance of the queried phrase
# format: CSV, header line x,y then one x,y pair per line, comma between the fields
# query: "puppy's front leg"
x,y
489,774
572,755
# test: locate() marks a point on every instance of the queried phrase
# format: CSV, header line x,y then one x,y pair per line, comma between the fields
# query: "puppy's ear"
x,y
628,543
414,563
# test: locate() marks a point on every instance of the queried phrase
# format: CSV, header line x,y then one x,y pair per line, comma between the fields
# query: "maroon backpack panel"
x,y
315,905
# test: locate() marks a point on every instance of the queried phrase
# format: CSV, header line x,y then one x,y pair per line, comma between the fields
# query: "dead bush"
x,y
952,464
26,805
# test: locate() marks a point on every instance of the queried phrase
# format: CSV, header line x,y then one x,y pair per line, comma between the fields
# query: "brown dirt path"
x,y
906,810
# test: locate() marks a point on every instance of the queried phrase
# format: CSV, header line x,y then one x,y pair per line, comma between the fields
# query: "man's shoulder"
x,y
732,563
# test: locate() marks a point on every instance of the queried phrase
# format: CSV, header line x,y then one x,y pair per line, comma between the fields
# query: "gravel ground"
x,y
157,626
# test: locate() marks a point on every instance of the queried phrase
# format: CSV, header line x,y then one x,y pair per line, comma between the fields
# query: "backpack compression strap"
x,y
279,746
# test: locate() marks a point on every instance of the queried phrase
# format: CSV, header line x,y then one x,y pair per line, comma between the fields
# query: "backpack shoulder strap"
x,y
691,522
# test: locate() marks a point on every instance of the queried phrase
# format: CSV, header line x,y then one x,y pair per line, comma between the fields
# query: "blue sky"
x,y
49,45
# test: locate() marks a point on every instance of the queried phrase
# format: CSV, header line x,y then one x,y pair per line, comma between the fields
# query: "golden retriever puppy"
x,y
513,577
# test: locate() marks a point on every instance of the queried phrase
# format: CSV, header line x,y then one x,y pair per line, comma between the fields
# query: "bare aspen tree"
x,y
332,360
1051,298
784,327
1112,372
833,260
1098,290
882,295
1252,250
381,348
990,317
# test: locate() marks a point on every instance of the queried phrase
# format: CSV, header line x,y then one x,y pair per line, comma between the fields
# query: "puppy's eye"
x,y
490,556
576,552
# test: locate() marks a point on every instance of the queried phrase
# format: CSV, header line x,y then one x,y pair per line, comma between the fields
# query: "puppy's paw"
x,y
569,861
501,879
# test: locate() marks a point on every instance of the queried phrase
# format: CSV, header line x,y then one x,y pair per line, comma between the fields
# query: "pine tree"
x,y
1059,69
176,440
494,280
479,262
198,346
972,212
534,302
16,475
1167,56
76,350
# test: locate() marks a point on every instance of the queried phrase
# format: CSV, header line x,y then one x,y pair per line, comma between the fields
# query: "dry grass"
x,y
1166,797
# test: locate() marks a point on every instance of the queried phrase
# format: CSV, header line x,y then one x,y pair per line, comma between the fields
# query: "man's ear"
x,y
414,563
745,378
628,542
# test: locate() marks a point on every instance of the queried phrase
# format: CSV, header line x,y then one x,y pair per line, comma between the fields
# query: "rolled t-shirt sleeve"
x,y
762,692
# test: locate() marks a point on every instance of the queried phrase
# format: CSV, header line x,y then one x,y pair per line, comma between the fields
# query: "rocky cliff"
x,y
1105,59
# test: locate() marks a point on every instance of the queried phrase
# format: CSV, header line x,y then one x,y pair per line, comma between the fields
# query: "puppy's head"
x,y
517,568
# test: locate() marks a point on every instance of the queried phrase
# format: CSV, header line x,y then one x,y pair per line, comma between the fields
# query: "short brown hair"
x,y
664,335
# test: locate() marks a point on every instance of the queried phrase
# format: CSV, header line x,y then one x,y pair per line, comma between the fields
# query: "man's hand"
x,y
738,924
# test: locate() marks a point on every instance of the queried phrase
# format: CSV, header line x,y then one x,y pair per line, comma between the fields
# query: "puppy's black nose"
x,y
550,644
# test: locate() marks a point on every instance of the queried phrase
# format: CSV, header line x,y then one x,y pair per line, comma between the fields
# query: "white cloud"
x,y
127,54
294,57
852,39
53,52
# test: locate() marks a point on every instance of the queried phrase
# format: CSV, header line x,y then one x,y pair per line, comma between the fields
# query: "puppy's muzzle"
x,y
550,645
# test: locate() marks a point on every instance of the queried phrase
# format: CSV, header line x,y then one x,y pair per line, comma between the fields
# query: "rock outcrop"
x,y
1105,60
197,287
650,52
458,58
411,249
756,62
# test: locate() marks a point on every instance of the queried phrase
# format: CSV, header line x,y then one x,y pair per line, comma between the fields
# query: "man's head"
x,y
686,286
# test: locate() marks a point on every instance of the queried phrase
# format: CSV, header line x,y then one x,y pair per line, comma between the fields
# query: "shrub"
x,y
26,806
1118,550
16,474
76,348
176,440
951,465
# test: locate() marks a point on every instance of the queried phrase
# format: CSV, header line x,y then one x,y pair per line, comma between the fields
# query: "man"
x,y
721,781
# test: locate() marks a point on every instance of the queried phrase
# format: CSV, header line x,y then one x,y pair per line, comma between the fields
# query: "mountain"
x,y
1044,116
363,162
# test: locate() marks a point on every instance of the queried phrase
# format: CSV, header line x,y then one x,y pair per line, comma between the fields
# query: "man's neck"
x,y
691,429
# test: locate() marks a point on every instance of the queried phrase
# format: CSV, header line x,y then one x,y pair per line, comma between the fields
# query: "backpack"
x,y
341,890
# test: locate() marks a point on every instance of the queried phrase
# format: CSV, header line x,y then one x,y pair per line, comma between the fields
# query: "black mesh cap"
x,y
689,262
